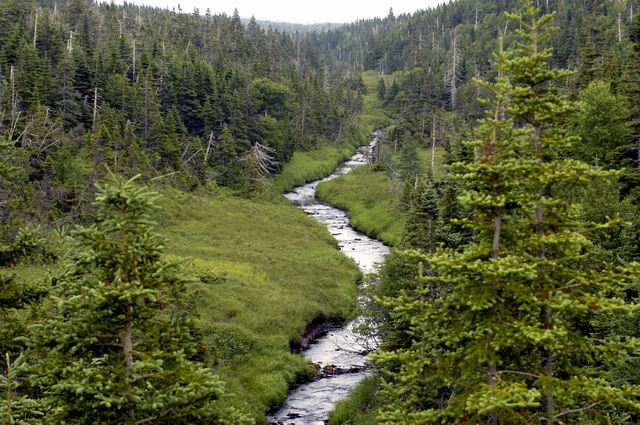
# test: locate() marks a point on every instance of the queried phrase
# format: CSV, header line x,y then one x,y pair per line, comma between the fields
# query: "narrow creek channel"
x,y
340,353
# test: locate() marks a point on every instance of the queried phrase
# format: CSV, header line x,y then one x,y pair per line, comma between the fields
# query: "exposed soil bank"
x,y
315,328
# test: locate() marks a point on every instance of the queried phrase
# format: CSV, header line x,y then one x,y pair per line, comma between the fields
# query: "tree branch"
x,y
581,409
516,372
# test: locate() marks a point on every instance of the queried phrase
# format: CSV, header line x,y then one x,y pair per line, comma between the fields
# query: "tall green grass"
x,y
265,270
360,407
306,166
372,206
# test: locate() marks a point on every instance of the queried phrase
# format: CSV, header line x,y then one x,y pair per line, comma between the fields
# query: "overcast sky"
x,y
298,11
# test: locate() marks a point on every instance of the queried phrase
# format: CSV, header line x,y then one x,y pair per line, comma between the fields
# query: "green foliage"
x,y
429,224
15,293
602,123
360,406
16,407
432,209
408,161
496,334
109,353
382,89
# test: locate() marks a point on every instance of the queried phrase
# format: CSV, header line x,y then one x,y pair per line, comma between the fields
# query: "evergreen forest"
x,y
152,272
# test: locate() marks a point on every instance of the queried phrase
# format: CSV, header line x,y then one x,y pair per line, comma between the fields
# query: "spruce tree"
x,y
421,230
603,123
15,295
496,329
382,89
110,354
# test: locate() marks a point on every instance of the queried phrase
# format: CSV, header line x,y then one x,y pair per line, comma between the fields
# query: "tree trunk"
x,y
35,31
95,109
433,146
127,348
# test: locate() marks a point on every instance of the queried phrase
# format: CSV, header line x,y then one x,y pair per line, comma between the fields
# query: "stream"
x,y
340,353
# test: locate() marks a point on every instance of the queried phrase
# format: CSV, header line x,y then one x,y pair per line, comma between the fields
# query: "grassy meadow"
x,y
265,271
306,166
372,205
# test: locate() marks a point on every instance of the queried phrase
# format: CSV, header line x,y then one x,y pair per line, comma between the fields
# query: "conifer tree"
x,y
110,354
382,89
421,229
225,158
409,162
15,294
496,335
603,123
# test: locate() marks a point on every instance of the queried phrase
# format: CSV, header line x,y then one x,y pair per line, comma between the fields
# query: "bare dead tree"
x,y
452,74
263,157
210,143
35,30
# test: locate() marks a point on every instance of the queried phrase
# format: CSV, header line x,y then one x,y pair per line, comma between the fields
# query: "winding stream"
x,y
340,353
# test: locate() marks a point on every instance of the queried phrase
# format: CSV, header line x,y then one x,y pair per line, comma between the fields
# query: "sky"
x,y
297,11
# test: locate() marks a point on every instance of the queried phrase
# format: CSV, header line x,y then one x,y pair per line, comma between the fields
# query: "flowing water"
x,y
340,353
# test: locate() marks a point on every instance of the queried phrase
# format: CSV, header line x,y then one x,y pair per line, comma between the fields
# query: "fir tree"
x,y
421,229
15,295
382,89
226,160
111,356
603,123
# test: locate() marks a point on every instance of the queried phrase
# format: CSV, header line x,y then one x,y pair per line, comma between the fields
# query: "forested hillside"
x,y
186,98
427,61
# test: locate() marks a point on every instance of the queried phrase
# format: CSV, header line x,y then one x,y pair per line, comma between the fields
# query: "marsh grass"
x,y
265,270
366,196
306,166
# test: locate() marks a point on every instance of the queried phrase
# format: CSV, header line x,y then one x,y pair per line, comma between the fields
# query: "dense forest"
x,y
174,96
510,296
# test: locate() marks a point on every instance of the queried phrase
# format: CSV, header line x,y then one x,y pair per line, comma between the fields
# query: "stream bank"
x,y
339,355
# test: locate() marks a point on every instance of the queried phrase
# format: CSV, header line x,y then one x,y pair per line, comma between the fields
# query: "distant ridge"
x,y
289,27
